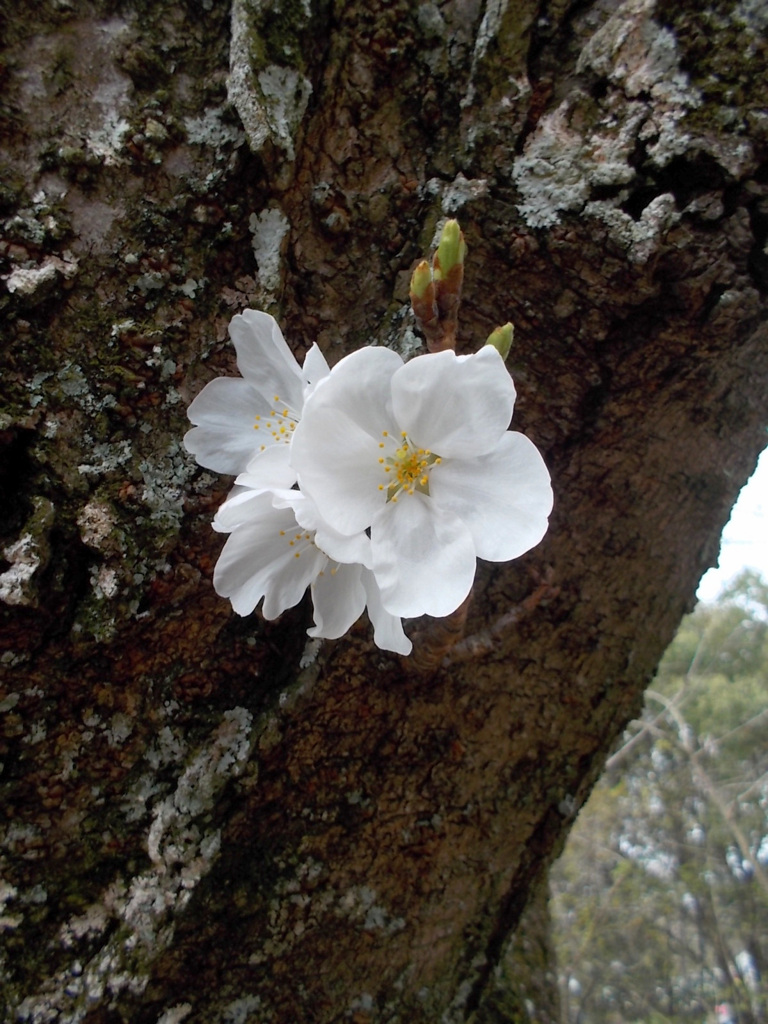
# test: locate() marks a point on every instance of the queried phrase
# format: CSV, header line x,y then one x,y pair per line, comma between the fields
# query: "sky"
x,y
745,538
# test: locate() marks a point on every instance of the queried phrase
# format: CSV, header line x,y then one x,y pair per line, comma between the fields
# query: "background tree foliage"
x,y
661,897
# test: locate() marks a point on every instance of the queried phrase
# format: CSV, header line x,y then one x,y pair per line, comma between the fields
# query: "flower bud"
x,y
421,279
450,251
501,339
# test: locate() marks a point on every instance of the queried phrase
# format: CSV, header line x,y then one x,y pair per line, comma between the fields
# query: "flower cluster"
x,y
376,484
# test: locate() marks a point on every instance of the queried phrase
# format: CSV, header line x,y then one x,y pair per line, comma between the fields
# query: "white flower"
x,y
407,475
237,417
272,554
420,455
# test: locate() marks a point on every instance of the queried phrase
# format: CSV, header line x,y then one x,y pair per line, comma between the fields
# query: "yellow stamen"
x,y
411,466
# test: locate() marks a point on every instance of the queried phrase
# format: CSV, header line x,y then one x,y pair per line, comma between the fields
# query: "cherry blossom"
x,y
376,485
272,555
274,551
419,455
237,417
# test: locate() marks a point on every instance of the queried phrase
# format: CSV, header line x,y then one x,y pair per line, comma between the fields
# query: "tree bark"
x,y
208,819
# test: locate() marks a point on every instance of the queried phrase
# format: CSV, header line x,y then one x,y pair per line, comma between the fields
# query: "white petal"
x,y
339,600
344,549
224,414
315,366
339,547
258,561
504,497
236,491
423,557
264,359
335,448
388,633
235,510
338,467
454,406
359,386
269,470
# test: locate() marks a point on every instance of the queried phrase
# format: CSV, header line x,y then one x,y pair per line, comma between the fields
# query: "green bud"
x,y
421,279
451,250
501,339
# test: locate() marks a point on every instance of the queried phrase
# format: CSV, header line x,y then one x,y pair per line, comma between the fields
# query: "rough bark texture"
x,y
203,820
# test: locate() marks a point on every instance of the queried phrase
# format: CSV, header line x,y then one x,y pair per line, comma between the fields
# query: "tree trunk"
x,y
207,818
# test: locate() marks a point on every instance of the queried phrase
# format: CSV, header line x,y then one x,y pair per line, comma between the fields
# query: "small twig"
x,y
480,644
431,644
